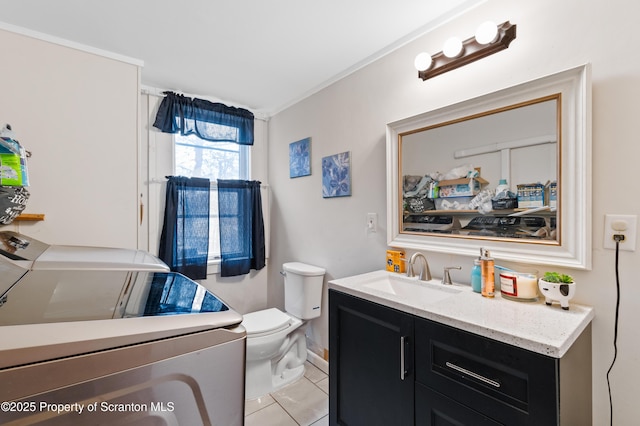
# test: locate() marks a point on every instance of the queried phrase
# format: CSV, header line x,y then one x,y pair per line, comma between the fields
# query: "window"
x,y
195,157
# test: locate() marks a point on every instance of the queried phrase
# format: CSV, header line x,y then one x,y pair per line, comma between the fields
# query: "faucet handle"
x,y
409,267
446,276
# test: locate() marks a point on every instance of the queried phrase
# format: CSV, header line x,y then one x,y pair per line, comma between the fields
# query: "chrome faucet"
x,y
446,276
425,273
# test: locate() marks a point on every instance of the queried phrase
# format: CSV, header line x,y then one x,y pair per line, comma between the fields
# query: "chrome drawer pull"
x,y
472,374
403,371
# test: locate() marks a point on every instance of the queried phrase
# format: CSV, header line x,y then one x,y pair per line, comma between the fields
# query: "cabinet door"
x,y
371,377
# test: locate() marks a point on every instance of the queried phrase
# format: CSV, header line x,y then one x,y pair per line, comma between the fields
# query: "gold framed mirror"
x,y
444,166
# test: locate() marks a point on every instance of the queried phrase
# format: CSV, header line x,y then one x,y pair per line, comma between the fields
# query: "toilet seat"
x,y
267,321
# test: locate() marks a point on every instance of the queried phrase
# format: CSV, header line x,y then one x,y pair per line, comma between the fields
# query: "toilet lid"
x,y
303,269
268,320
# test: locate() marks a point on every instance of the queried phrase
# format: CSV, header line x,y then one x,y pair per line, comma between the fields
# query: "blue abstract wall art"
x,y
300,158
336,175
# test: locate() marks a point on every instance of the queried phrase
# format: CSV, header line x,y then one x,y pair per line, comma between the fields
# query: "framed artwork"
x,y
336,175
300,158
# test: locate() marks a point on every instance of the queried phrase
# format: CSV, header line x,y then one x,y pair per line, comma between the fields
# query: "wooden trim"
x,y
30,217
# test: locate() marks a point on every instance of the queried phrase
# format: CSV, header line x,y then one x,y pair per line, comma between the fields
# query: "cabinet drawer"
x,y
435,409
509,384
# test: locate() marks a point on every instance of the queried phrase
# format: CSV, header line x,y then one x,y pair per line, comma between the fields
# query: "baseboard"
x,y
317,360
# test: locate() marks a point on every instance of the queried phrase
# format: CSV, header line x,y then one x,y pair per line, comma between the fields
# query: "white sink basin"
x,y
401,287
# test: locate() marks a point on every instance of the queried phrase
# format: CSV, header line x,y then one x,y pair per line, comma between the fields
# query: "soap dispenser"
x,y
476,276
487,273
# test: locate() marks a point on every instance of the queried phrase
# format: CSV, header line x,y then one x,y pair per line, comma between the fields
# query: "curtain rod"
x,y
213,182
155,91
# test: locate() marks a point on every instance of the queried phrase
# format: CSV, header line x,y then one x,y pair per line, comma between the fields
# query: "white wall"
x,y
351,115
77,113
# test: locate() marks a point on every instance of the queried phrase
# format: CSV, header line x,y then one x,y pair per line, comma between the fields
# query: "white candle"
x,y
521,285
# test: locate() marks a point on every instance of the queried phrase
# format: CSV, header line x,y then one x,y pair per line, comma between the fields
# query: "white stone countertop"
x,y
535,326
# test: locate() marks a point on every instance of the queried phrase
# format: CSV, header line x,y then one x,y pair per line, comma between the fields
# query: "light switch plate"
x,y
372,223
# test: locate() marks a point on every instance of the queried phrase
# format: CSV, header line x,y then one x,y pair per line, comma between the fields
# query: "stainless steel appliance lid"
x,y
30,253
20,253
9,275
17,246
97,258
62,296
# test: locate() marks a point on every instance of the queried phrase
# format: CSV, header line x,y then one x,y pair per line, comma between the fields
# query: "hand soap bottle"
x,y
487,272
476,276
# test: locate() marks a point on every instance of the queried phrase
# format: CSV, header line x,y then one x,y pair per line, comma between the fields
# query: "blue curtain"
x,y
184,243
210,121
242,243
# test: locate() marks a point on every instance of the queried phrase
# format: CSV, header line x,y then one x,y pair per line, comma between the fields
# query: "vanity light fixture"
x,y
453,48
487,32
423,61
489,39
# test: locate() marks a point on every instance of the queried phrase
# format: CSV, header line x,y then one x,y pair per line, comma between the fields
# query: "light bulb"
x,y
452,47
487,32
423,61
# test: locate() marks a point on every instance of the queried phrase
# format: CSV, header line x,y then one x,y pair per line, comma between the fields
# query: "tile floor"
x,y
304,402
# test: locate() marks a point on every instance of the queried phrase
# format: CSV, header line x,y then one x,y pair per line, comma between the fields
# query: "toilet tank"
x,y
302,289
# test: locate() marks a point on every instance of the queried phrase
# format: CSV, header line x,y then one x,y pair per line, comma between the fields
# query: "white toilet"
x,y
276,343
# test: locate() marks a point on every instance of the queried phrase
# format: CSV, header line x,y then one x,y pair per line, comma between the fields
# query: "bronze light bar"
x,y
471,51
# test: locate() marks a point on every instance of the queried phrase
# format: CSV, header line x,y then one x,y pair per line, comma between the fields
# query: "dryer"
x,y
92,338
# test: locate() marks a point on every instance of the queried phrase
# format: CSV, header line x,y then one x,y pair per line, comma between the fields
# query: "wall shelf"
x,y
540,211
30,217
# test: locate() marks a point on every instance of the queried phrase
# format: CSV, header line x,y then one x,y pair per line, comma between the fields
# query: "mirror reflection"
x,y
493,175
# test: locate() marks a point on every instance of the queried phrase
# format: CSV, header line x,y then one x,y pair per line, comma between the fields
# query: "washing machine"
x,y
93,336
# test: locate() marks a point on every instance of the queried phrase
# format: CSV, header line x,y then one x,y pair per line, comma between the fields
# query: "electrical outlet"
x,y
372,223
620,224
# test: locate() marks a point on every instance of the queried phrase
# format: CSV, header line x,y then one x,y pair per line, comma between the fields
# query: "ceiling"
x,y
263,55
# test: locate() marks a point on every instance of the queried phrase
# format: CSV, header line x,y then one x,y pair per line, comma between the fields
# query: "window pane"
x,y
195,157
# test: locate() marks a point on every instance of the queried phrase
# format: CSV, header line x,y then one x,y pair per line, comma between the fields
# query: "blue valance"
x,y
209,121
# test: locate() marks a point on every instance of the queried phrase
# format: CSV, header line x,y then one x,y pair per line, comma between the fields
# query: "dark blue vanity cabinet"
x,y
371,374
387,367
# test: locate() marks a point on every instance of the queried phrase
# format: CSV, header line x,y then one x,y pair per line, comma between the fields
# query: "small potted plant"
x,y
557,287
